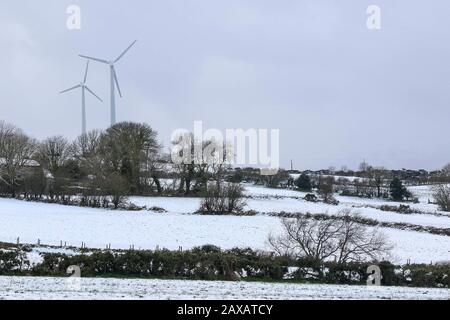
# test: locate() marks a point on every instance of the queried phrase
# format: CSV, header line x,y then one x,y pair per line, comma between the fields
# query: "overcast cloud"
x,y
338,92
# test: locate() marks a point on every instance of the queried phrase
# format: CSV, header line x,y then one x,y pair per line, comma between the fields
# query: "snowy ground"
x,y
97,228
290,201
98,288
179,227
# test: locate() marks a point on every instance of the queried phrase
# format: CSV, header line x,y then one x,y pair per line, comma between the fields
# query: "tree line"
x,y
100,168
99,164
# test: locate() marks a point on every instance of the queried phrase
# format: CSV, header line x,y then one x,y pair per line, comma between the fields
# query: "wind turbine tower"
x,y
83,87
113,79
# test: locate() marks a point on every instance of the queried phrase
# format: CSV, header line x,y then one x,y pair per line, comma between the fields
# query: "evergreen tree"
x,y
397,190
304,183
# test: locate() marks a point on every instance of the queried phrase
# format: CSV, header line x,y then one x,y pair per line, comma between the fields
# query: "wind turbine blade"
x,y
77,86
86,72
117,82
95,59
92,92
126,50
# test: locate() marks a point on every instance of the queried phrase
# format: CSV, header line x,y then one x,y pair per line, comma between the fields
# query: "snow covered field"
x,y
98,288
179,227
267,200
53,223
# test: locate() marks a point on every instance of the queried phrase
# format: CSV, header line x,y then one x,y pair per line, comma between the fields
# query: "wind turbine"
x,y
83,87
113,81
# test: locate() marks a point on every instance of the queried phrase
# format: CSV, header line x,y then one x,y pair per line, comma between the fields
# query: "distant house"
x,y
27,167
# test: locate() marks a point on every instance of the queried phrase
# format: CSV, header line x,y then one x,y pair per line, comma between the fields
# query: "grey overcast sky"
x,y
338,92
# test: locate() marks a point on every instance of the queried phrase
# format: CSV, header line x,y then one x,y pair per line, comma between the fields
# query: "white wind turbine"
x,y
113,80
83,87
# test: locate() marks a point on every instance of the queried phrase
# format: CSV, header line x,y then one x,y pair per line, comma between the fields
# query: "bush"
x,y
157,209
441,194
311,197
211,263
226,199
12,261
326,188
400,209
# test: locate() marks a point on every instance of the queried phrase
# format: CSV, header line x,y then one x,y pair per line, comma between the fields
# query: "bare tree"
x,y
2,174
358,243
224,199
52,153
446,169
6,130
377,176
200,161
15,150
217,157
87,144
326,188
184,149
364,166
306,238
86,149
339,239
441,194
